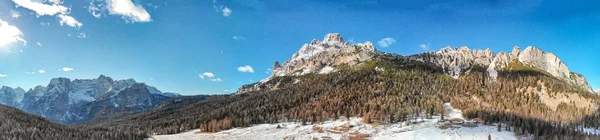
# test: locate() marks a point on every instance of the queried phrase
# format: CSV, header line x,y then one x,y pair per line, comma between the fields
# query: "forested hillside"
x,y
18,125
389,89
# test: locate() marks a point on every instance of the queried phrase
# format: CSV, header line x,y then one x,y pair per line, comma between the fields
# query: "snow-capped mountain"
x,y
72,101
10,96
320,57
326,56
323,56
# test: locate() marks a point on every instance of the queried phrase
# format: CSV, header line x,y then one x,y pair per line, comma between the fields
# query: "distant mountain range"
x,y
82,100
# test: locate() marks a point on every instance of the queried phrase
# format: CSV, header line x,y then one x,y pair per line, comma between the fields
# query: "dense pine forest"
x,y
18,125
388,89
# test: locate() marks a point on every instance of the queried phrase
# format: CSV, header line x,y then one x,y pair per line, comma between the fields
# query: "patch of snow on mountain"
x,y
307,51
80,96
326,69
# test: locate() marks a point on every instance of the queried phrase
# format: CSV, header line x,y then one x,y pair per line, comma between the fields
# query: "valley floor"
x,y
335,130
421,129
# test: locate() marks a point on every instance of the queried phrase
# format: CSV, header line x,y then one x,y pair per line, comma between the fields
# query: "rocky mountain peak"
x,y
5,88
105,78
59,81
276,65
516,51
446,49
11,96
545,61
333,38
320,57
332,51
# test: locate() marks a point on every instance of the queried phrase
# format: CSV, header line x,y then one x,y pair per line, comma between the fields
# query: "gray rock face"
x,y
544,61
320,57
69,102
137,95
11,97
332,51
456,62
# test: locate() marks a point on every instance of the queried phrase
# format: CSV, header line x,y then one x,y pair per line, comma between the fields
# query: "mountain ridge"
x,y
73,101
333,52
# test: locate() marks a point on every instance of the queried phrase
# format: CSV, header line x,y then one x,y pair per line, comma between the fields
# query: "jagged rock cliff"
x,y
10,96
320,57
458,61
72,101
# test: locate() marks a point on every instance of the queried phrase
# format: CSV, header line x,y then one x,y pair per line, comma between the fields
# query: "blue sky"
x,y
170,44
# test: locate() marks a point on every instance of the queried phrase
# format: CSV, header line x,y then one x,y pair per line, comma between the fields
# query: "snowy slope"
x,y
420,129
425,130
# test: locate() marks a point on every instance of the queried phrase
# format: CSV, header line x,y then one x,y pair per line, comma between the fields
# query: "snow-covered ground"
x,y
421,129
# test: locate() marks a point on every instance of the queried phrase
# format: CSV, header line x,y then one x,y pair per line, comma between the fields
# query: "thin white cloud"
x,y
55,1
10,34
2,75
95,10
386,42
45,23
239,38
14,14
128,10
39,44
268,71
226,11
50,8
29,72
246,68
41,71
216,80
81,35
223,9
207,74
66,69
226,91
69,20
424,46
42,9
